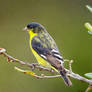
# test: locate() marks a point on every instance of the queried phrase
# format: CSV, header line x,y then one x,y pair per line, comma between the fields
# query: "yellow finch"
x,y
45,50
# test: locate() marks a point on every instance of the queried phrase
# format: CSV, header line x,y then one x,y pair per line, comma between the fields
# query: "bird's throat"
x,y
32,34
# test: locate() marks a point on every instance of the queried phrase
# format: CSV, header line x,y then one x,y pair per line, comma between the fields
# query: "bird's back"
x,y
44,45
46,41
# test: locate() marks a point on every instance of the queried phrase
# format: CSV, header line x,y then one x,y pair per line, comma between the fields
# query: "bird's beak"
x,y
25,29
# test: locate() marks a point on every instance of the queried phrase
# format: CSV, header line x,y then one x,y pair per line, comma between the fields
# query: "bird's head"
x,y
34,27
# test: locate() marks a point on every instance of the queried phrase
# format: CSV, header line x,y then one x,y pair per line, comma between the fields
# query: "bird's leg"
x,y
52,70
33,65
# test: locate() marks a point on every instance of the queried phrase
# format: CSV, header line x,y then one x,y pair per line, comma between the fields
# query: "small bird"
x,y
45,50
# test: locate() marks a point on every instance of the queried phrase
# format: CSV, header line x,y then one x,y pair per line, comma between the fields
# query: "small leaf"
x,y
90,32
89,75
89,8
25,71
88,27
89,88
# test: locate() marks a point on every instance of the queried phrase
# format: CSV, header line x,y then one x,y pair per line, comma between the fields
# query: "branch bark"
x,y
37,66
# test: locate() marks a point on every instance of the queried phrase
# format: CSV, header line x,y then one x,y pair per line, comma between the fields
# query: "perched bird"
x,y
45,50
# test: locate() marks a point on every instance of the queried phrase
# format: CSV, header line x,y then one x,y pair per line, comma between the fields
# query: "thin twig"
x,y
71,74
33,65
89,88
70,65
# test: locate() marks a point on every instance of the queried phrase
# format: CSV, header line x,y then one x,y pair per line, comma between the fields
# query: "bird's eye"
x,y
30,27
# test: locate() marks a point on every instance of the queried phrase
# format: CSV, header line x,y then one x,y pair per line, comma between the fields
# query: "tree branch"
x,y
37,66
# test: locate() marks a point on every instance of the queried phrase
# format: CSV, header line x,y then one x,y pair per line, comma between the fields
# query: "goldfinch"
x,y
45,50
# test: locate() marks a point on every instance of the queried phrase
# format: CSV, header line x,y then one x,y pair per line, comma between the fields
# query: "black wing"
x,y
49,54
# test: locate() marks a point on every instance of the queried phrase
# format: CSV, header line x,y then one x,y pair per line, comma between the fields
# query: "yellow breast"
x,y
40,60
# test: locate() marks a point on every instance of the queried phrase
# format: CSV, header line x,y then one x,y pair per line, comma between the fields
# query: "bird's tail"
x,y
65,77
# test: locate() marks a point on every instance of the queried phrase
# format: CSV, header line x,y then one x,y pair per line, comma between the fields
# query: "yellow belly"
x,y
40,60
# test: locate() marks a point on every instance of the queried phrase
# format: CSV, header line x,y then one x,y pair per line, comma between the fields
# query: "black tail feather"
x,y
65,78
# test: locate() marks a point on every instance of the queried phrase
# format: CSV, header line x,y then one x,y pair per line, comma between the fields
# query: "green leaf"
x,y
88,27
25,71
89,75
89,8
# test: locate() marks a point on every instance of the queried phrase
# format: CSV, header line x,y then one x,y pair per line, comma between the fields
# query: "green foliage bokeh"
x,y
64,20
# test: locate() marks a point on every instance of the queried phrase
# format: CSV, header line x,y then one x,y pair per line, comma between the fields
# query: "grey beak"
x,y
25,29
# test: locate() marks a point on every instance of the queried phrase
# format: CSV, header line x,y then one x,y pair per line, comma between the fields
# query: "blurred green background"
x,y
64,20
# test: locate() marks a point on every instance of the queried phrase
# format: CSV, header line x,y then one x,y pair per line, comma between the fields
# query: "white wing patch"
x,y
43,56
54,51
57,55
